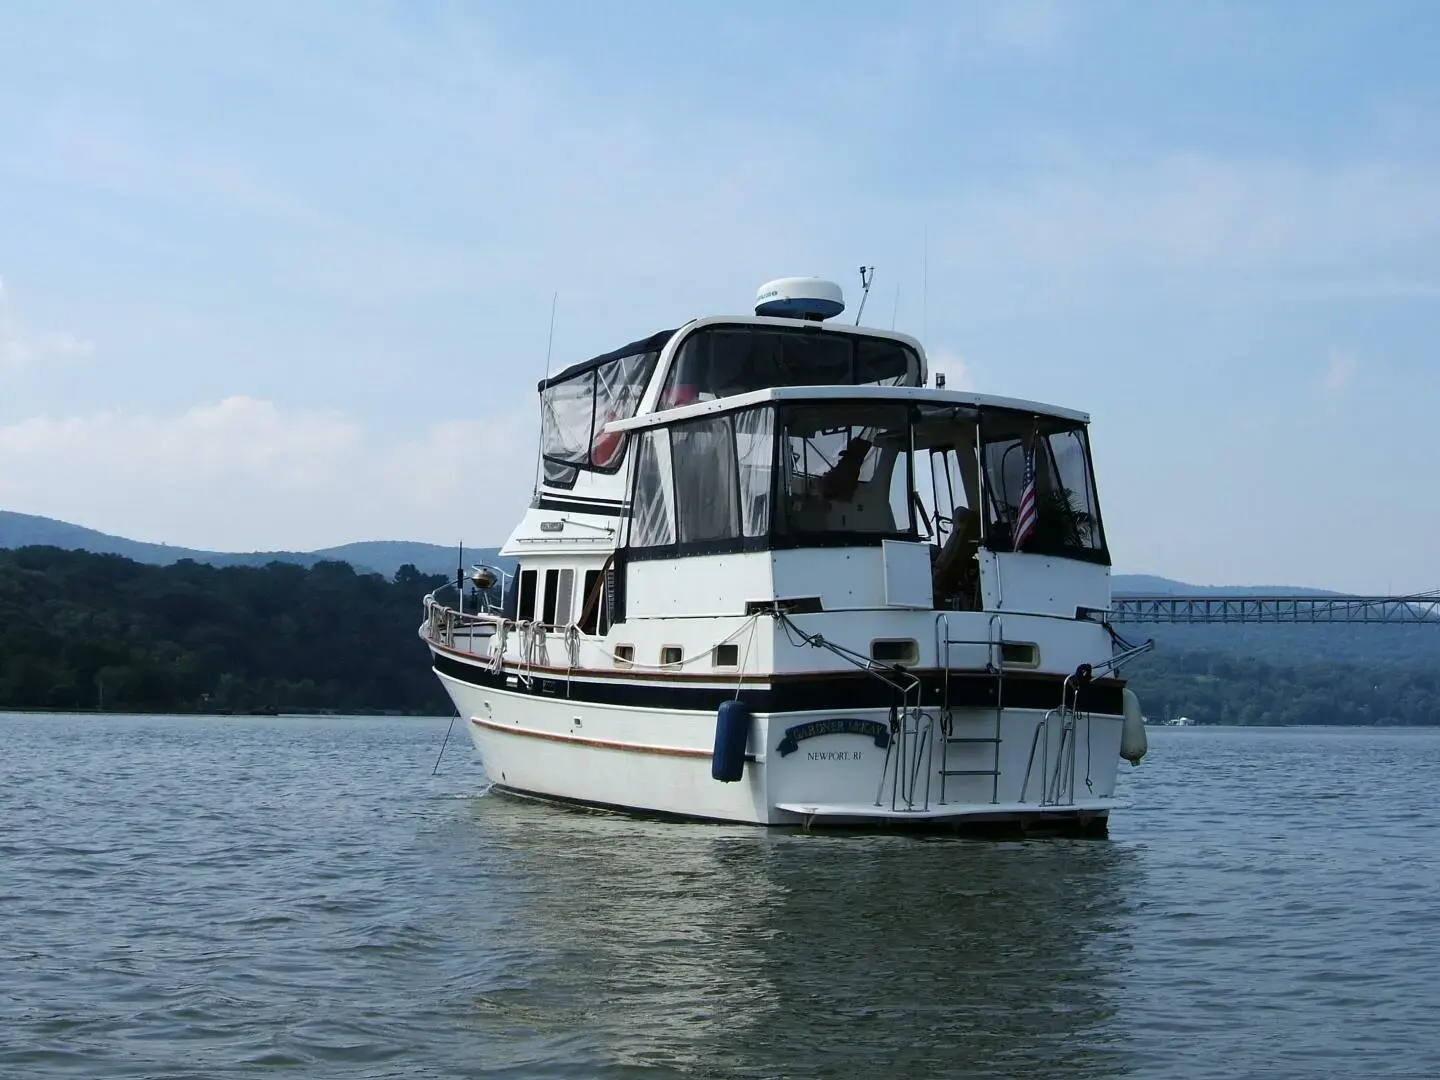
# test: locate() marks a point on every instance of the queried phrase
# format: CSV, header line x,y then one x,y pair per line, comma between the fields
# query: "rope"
x,y
865,663
443,745
745,659
748,624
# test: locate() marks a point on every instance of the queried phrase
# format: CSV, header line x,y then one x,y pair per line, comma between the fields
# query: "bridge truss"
x,y
1420,608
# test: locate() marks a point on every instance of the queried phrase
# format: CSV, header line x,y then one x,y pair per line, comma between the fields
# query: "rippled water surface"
x,y
236,897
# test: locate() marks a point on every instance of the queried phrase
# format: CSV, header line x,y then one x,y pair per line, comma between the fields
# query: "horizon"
x,y
496,547
272,278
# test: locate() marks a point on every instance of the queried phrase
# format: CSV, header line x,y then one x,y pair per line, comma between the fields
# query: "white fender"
x,y
1132,732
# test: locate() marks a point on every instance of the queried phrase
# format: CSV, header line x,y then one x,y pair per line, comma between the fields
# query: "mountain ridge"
x,y
374,556
19,530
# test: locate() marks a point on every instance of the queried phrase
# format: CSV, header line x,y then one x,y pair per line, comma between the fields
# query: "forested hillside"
x,y
81,631
1222,687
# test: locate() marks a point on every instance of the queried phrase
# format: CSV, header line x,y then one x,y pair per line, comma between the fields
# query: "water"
x,y
240,897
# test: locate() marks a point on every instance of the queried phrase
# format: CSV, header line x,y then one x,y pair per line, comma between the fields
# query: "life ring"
x,y
607,446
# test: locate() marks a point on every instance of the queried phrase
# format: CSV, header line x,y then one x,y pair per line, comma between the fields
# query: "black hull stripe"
x,y
579,506
838,692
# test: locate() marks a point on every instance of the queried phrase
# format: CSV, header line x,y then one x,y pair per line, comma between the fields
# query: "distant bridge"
x,y
1419,608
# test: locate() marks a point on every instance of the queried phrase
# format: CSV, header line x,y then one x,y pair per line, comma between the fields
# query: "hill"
x,y
1150,585
1214,673
387,556
81,631
383,557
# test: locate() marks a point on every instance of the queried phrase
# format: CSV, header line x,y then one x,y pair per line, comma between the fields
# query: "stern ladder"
x,y
994,668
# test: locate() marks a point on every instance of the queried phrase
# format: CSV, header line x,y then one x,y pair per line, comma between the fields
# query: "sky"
x,y
280,276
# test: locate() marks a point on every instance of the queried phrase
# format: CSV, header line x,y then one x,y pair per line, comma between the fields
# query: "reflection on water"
x,y
740,952
224,898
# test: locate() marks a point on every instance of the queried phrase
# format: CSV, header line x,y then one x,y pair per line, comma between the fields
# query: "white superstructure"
x,y
770,576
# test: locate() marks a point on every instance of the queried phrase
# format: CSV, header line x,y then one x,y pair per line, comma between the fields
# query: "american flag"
x,y
1026,516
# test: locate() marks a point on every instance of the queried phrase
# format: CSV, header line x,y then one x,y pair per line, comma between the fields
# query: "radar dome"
x,y
800,298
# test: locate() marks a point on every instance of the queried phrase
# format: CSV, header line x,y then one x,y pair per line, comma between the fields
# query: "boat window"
x,y
619,386
552,594
710,484
651,522
755,456
895,651
565,597
845,470
574,412
1019,654
624,655
707,497
566,415
1066,519
592,603
705,484
526,609
720,361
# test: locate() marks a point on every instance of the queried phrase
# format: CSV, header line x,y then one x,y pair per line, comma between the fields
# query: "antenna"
x,y
895,307
867,275
549,344
550,338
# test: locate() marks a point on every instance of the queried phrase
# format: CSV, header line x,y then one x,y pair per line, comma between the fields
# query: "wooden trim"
x,y
598,744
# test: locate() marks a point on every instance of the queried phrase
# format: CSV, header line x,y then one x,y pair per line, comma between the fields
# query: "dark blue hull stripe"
x,y
792,693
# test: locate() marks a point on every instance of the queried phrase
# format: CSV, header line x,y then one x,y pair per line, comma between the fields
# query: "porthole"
x,y
895,651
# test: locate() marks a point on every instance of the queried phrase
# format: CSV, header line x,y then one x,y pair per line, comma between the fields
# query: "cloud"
x,y
1339,373
1030,27
1199,213
21,347
244,473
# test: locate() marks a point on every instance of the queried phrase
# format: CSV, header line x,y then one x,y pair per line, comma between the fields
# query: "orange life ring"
x,y
606,447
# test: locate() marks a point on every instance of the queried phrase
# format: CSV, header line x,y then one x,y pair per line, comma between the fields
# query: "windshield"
x,y
721,361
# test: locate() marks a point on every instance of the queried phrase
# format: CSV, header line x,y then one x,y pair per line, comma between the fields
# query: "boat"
x,y
774,572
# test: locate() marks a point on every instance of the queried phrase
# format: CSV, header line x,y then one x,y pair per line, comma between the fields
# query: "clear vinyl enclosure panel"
x,y
774,476
574,409
1050,457
837,473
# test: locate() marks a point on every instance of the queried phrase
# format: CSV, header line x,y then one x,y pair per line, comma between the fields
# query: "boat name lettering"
x,y
834,755
838,726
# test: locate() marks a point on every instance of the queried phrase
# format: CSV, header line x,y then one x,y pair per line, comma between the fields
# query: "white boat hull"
x,y
658,761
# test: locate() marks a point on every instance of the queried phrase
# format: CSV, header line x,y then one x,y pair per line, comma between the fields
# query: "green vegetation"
x,y
82,631
1215,687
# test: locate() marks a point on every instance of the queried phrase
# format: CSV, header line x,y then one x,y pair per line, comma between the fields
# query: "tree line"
x,y
1224,687
80,631
84,631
